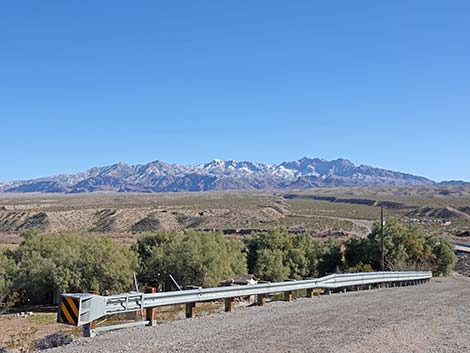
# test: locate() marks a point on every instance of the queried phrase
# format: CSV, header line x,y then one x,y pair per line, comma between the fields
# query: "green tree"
x,y
331,260
405,248
270,265
7,275
49,265
360,267
194,258
277,255
444,258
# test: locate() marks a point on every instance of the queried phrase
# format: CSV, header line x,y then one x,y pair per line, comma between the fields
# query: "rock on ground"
x,y
431,317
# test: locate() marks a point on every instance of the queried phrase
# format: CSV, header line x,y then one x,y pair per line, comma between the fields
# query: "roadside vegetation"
x,y
405,248
44,266
195,258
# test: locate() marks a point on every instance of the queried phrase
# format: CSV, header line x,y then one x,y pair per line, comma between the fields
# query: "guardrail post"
x,y
229,305
288,296
151,313
310,293
190,310
261,299
88,329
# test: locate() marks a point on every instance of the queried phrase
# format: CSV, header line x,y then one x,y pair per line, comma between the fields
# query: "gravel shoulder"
x,y
431,317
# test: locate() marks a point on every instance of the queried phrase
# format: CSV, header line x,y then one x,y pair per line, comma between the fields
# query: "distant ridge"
x,y
159,176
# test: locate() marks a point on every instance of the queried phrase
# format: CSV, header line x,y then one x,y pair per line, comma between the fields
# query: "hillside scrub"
x,y
193,258
48,265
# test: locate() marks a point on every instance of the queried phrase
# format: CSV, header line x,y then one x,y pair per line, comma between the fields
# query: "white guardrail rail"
x,y
82,309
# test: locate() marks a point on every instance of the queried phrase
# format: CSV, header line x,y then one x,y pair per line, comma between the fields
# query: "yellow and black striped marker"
x,y
68,313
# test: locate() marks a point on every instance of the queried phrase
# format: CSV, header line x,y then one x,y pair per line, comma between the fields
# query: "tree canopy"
x,y
405,248
194,258
277,255
47,265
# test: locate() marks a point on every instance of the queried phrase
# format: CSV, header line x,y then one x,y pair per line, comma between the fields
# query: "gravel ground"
x,y
431,317
463,263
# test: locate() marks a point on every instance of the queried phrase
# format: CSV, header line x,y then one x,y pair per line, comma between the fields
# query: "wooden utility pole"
x,y
382,253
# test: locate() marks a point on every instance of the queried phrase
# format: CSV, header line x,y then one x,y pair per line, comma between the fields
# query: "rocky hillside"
x,y
217,175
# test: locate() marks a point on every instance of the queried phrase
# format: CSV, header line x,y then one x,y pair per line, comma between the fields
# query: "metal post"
x,y
261,298
310,293
151,313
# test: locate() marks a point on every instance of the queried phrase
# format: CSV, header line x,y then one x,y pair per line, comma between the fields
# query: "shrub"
x,y
277,255
7,275
195,258
405,248
360,267
71,263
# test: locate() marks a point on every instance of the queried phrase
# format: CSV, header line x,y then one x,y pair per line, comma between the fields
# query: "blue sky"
x,y
91,83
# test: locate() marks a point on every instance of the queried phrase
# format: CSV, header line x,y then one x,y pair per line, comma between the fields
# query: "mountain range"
x,y
159,176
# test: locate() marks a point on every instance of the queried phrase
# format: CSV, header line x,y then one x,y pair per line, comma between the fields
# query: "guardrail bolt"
x,y
229,305
190,310
288,296
151,313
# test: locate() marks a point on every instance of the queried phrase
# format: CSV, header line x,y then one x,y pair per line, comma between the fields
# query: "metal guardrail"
x,y
461,247
91,307
460,243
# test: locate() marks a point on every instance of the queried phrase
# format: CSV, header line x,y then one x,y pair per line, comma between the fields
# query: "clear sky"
x,y
91,83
